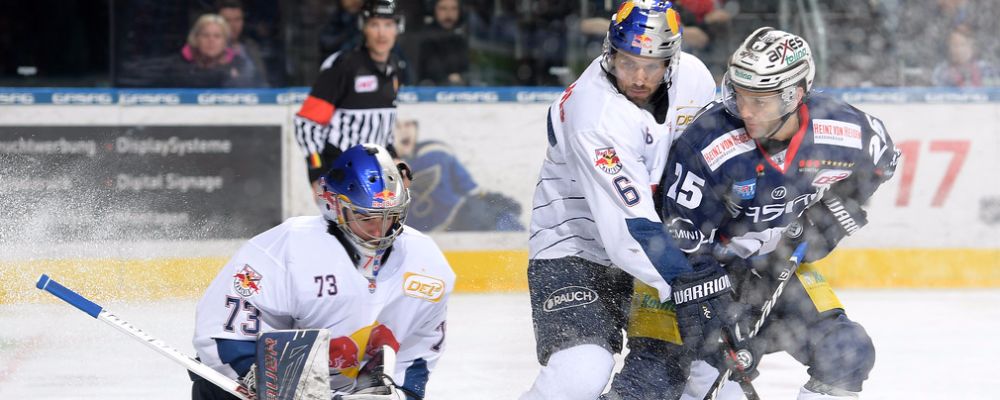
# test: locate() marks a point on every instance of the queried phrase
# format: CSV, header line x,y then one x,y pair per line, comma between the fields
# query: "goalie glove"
x,y
375,381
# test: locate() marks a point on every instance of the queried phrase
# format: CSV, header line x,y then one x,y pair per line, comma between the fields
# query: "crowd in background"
x,y
264,43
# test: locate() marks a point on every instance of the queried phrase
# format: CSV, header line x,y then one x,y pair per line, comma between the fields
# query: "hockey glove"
x,y
375,381
741,356
707,313
826,223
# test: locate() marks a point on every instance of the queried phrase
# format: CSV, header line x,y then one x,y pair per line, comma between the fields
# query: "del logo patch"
x,y
365,84
607,160
246,282
423,287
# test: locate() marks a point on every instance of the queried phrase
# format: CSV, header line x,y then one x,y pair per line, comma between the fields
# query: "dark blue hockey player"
x,y
770,155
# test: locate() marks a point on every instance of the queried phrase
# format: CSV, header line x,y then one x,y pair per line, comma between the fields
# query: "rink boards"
x,y
935,224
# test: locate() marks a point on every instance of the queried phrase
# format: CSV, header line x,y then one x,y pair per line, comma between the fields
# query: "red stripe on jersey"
x,y
793,147
317,110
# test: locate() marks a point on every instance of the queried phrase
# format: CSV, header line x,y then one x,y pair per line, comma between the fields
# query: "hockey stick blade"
x,y
94,310
783,277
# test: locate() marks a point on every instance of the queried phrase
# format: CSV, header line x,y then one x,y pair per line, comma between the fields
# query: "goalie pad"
x,y
293,365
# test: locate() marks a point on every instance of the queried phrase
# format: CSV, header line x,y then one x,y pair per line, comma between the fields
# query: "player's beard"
x,y
639,94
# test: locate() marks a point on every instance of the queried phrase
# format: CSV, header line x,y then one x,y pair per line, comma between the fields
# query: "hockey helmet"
x,y
381,9
364,194
770,62
645,28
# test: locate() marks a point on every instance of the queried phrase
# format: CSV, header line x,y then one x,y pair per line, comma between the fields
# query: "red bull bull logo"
x,y
643,42
247,282
385,198
607,160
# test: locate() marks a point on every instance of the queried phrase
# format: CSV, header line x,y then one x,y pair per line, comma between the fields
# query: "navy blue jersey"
x,y
720,185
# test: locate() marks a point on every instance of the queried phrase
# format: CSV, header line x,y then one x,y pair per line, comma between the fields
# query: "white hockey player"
x,y
594,225
356,271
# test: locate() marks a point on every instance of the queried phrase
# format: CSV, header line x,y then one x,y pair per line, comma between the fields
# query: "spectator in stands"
x,y
924,32
702,19
233,12
341,32
444,50
544,43
707,27
492,27
964,68
208,61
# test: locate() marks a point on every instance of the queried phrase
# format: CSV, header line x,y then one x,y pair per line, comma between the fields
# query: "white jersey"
x,y
594,197
298,276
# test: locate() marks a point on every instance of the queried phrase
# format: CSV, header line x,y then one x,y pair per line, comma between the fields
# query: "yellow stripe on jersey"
x,y
817,288
650,318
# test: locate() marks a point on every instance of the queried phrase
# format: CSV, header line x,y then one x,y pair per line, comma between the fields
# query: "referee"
x,y
354,98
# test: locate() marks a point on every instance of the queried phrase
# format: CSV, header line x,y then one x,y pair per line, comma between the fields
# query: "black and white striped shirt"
x,y
353,101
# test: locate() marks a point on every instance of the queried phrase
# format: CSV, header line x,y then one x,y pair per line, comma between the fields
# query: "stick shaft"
x,y
90,308
786,274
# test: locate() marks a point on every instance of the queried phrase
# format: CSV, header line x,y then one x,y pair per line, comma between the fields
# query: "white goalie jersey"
x,y
298,276
594,197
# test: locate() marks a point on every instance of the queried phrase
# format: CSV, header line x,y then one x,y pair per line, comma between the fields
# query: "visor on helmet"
x,y
760,111
372,229
643,28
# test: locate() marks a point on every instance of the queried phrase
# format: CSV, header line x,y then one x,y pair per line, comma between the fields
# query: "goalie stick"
x,y
83,304
783,276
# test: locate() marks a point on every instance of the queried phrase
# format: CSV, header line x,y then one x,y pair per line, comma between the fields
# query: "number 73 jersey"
x,y
298,276
721,185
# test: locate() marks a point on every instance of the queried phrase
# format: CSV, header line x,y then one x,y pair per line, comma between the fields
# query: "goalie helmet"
x,y
770,60
364,195
644,28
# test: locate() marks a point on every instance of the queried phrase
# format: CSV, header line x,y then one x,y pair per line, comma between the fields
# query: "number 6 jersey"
x,y
594,197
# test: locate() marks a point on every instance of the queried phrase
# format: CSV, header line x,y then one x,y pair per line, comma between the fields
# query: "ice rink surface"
x,y
931,344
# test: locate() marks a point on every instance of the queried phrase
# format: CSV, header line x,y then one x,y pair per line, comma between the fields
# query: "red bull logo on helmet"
x,y
383,199
607,160
642,41
246,282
